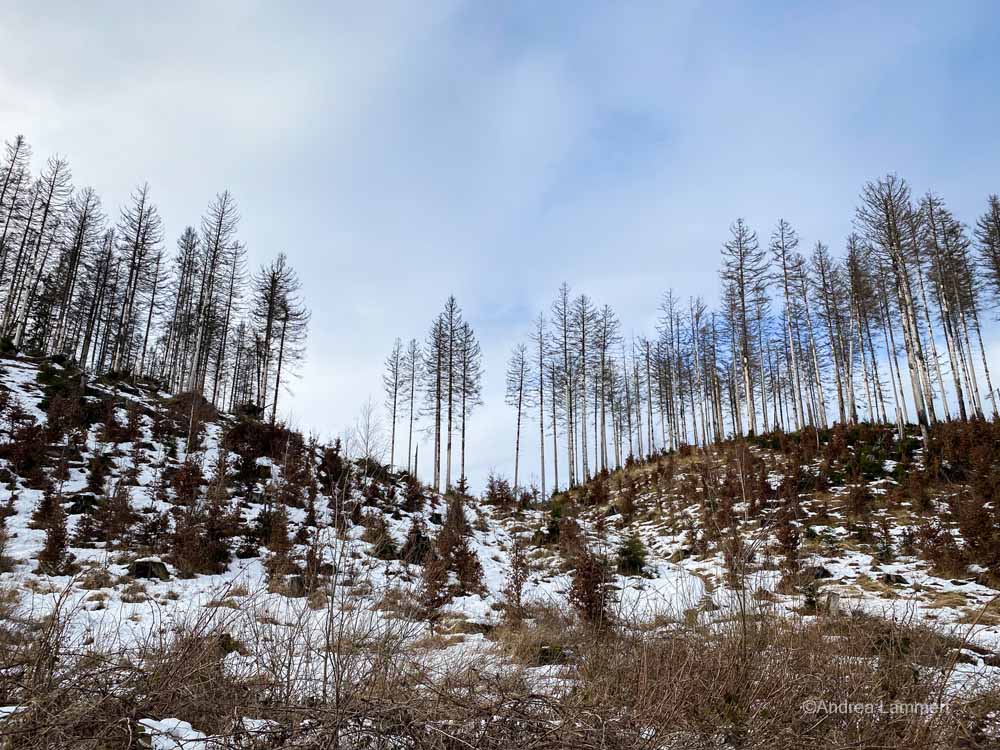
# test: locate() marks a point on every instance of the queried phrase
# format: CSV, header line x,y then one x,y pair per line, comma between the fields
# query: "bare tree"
x,y
412,371
884,218
435,375
52,190
452,320
784,242
607,336
392,382
565,364
282,322
988,237
218,234
744,267
537,379
517,373
470,383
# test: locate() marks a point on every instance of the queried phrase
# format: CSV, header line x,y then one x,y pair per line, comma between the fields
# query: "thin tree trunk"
x,y
277,374
555,430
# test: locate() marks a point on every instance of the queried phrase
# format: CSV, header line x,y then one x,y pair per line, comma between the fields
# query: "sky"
x,y
399,152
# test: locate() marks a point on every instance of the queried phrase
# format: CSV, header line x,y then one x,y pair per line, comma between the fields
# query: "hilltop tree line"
x,y
889,332
439,381
107,293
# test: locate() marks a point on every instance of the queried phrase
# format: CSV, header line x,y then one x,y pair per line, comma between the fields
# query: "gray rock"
x,y
831,605
816,572
149,567
295,585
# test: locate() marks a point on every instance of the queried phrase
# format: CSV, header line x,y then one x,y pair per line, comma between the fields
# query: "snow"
x,y
174,734
21,376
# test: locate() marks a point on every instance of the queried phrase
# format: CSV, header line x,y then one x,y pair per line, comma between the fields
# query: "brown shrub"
x,y
186,481
517,577
498,492
378,535
115,517
937,545
417,545
55,558
589,591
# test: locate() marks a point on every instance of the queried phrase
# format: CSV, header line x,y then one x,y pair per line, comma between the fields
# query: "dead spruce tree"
x,y
392,383
452,386
412,372
109,299
743,270
885,218
517,371
536,384
435,375
470,385
281,322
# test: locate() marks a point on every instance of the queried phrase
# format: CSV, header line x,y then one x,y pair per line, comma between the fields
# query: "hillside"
x,y
177,577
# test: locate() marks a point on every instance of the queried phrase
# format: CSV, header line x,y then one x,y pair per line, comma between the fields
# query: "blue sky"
x,y
402,151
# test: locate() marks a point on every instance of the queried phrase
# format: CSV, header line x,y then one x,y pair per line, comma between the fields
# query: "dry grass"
x,y
230,603
871,585
954,599
134,593
360,682
94,578
987,616
547,636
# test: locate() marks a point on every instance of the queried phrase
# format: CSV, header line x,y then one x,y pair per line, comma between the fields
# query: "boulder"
x,y
680,554
149,567
83,502
816,573
295,585
551,654
326,569
831,604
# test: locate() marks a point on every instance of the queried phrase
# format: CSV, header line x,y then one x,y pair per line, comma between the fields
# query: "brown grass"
x,y
741,682
948,599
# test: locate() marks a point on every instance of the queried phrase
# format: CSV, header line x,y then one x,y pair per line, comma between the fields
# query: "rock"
x,y
549,654
831,605
681,554
149,567
816,573
83,502
295,585
894,579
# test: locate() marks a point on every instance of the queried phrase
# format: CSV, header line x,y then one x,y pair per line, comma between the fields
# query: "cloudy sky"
x,y
403,151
